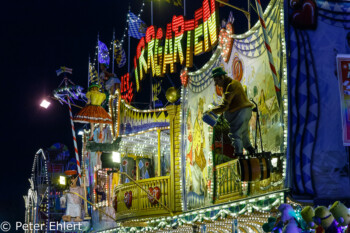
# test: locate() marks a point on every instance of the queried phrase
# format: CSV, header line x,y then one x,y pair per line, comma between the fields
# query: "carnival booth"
x,y
145,167
173,170
174,167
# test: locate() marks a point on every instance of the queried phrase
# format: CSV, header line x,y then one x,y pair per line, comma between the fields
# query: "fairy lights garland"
x,y
284,89
126,27
115,113
122,40
141,146
128,106
181,144
222,212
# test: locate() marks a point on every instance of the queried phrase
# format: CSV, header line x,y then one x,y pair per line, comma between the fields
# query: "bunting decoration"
x,y
133,120
200,80
251,43
334,13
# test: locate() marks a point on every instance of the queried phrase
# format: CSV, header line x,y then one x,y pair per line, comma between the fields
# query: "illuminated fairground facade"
x,y
171,155
171,169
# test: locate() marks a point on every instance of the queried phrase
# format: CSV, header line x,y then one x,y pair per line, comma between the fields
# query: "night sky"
x,y
37,37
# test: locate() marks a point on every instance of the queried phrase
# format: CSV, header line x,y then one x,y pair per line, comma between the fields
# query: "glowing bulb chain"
x,y
120,45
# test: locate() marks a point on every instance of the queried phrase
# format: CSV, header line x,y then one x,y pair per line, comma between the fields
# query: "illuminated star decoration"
x,y
103,56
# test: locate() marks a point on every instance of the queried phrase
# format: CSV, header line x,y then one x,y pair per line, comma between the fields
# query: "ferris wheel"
x,y
40,183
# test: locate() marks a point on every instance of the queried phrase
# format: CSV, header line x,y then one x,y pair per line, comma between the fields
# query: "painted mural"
x,y
249,64
198,149
257,80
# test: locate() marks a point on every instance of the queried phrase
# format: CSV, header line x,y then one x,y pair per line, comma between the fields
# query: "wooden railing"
x,y
228,185
141,204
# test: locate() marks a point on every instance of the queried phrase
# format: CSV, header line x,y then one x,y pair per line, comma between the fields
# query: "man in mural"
x,y
237,110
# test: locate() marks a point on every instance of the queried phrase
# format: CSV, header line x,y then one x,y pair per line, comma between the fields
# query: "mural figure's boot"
x,y
251,150
239,155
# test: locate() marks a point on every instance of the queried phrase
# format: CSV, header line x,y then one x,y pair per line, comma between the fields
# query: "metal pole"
x,y
234,7
113,40
84,177
129,42
151,12
129,54
184,8
269,53
248,16
159,153
89,77
98,64
74,137
151,80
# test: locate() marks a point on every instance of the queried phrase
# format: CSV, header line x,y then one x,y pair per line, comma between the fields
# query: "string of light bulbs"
x,y
250,214
121,41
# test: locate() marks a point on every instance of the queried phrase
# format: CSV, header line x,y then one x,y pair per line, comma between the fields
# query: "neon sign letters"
x,y
159,51
126,88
